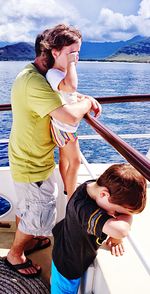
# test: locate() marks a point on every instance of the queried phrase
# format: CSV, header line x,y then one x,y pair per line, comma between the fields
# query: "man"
x,y
31,154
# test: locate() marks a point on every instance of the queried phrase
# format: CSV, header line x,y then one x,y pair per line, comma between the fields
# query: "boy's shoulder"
x,y
82,188
82,202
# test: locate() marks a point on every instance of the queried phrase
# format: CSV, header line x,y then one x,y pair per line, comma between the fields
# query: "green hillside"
x,y
136,52
19,51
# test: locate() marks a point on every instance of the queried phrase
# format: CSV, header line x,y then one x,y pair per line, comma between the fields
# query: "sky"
x,y
98,20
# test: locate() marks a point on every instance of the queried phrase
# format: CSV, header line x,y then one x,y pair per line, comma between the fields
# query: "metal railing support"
x,y
139,161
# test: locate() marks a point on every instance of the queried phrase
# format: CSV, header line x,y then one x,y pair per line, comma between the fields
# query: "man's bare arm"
x,y
73,113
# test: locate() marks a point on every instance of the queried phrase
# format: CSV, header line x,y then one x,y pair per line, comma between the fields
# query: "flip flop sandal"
x,y
38,245
25,265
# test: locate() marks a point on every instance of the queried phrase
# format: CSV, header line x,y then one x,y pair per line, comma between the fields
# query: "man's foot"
x,y
38,243
26,269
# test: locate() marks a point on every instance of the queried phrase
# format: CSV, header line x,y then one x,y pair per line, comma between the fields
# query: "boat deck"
x,y
41,257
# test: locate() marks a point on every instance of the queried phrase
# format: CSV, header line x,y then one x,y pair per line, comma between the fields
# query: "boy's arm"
x,y
70,82
118,227
115,246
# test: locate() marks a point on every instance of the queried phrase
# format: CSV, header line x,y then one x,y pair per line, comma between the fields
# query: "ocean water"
x,y
95,79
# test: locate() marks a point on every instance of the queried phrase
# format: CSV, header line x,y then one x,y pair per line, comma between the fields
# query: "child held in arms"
x,y
65,42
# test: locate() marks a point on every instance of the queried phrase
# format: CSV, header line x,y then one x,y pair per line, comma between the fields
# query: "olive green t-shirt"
x,y
31,149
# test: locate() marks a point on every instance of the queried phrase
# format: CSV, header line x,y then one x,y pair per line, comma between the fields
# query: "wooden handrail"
x,y
139,161
121,99
4,107
105,100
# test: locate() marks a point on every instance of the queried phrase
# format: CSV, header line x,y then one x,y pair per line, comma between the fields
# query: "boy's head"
x,y
126,186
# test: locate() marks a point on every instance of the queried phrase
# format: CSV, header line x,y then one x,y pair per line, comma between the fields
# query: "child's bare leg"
x,y
70,162
63,166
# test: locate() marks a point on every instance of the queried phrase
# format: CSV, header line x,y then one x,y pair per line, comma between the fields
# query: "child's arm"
x,y
70,82
118,227
115,246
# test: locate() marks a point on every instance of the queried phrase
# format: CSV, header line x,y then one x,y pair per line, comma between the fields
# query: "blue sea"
x,y
96,79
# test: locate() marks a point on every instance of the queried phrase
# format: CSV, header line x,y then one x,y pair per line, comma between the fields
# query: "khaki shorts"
x,y
36,206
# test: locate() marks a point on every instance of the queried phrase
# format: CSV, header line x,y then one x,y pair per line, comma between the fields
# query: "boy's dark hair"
x,y
127,187
56,38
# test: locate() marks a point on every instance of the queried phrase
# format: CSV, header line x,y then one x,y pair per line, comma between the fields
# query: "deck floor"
x,y
41,257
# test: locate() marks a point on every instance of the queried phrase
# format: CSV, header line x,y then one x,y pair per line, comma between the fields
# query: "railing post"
x,y
139,161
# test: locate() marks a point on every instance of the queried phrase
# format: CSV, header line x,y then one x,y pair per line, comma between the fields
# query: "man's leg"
x,y
16,253
17,221
36,214
40,242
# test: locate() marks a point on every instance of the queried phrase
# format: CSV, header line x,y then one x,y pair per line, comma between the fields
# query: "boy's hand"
x,y
96,107
73,57
116,246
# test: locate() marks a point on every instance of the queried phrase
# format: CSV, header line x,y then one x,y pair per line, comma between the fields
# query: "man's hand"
x,y
95,107
115,246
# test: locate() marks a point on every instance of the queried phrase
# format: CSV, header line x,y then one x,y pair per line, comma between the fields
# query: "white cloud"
x,y
22,20
115,26
144,10
115,21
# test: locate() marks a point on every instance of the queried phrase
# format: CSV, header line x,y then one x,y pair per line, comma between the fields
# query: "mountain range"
x,y
136,49
135,52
